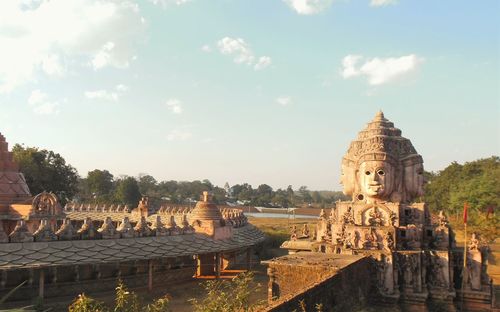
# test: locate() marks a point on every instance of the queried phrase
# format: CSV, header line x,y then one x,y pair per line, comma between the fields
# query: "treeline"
x,y
48,171
476,183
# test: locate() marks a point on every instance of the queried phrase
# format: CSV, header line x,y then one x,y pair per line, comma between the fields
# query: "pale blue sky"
x,y
263,91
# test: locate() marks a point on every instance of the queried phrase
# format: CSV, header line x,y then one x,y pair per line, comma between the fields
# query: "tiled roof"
x,y
56,253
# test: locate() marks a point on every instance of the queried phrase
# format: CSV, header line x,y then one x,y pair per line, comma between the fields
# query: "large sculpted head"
x,y
381,165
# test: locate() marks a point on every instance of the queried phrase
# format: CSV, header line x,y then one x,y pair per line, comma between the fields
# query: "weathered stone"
x,y
66,231
44,233
87,230
21,234
108,230
126,229
142,228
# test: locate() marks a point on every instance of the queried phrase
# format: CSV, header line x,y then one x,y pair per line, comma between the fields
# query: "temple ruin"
x,y
414,260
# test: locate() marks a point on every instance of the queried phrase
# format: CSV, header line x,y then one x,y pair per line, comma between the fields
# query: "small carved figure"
x,y
21,234
142,228
388,241
125,228
375,217
393,218
305,232
474,242
443,221
108,230
348,217
66,231
44,232
87,230
172,227
322,214
186,227
158,227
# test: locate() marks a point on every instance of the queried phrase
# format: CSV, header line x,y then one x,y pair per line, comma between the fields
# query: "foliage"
x,y
87,304
125,301
46,170
127,192
477,183
227,296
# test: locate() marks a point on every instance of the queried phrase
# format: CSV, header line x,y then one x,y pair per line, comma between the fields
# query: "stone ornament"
x,y
66,231
158,228
126,229
172,227
45,204
44,233
186,227
87,230
21,234
142,228
108,230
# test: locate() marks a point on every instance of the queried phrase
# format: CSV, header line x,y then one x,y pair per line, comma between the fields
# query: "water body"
x,y
278,215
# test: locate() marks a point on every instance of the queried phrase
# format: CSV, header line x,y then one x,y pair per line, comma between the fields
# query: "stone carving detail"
x,y
172,227
66,231
142,228
87,230
158,228
44,233
186,227
108,230
45,204
125,228
21,234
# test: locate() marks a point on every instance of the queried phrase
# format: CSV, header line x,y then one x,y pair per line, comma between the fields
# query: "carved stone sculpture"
x,y
158,228
108,230
172,227
44,233
66,231
186,227
125,228
142,228
21,234
87,230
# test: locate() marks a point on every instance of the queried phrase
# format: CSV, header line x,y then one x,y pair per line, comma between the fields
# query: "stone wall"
x,y
338,290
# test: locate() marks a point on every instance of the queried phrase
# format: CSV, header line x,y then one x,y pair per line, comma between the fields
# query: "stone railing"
x,y
108,229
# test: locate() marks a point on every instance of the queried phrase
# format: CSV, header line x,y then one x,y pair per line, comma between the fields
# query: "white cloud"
x,y
308,7
102,94
284,100
206,48
241,52
179,135
39,101
379,71
263,62
174,105
382,2
35,36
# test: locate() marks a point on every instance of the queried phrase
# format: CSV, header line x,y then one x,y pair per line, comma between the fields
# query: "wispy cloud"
x,y
113,95
308,7
174,105
241,52
377,70
206,48
377,3
38,100
284,100
167,3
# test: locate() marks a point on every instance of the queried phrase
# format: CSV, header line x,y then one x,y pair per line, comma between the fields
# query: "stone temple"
x,y
412,257
64,251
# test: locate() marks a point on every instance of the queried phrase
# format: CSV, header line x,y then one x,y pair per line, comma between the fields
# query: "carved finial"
x,y
379,115
21,234
205,196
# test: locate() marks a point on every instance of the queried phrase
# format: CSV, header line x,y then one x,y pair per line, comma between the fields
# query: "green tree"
x,y
46,170
147,185
100,182
127,192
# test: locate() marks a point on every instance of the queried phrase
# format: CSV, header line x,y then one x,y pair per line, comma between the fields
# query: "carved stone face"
x,y
347,179
376,179
414,180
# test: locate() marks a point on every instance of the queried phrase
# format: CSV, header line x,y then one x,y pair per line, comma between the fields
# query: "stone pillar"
x,y
41,284
150,275
217,264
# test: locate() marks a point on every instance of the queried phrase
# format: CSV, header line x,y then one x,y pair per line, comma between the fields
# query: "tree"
x,y
100,182
127,192
147,185
46,170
